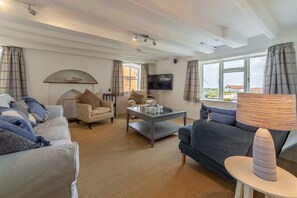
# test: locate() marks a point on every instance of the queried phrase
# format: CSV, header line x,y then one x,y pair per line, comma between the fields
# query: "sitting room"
x,y
148,98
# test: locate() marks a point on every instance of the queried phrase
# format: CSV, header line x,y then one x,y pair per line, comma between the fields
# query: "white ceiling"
x,y
104,28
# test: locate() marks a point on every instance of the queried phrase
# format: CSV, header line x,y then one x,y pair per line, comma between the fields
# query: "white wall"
x,y
40,64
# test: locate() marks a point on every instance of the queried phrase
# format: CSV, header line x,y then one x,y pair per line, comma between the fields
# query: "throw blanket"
x,y
219,141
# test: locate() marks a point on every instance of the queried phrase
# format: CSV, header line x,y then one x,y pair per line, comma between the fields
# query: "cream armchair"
x,y
86,114
144,102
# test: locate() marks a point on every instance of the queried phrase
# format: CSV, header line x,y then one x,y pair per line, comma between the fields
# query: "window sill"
x,y
216,100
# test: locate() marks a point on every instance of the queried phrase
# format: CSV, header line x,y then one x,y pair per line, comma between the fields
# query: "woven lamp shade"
x,y
271,111
266,111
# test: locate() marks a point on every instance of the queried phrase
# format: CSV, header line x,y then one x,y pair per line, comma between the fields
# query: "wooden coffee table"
x,y
155,125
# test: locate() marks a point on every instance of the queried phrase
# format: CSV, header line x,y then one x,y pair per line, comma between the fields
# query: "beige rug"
x,y
114,164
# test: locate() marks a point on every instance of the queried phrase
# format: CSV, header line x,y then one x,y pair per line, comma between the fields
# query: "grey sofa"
x,y
47,171
210,143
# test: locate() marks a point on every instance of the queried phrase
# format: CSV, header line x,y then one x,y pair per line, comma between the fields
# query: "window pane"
x,y
126,71
126,84
233,64
134,85
134,72
233,83
211,81
257,65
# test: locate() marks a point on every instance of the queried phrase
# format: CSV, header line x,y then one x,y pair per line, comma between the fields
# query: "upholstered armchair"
x,y
139,98
87,113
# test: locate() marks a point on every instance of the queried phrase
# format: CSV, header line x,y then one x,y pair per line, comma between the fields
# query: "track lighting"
x,y
211,46
30,10
145,38
135,38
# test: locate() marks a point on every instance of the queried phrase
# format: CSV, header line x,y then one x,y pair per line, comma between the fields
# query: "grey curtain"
x,y
13,73
144,74
117,78
280,70
192,84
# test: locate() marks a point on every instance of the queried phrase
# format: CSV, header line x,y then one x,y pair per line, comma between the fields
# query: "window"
x,y
131,73
211,81
223,79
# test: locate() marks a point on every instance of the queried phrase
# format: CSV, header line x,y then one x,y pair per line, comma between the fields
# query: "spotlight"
x,y
135,38
145,40
1,3
154,43
31,11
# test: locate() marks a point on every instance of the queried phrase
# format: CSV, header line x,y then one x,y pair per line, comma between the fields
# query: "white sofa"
x,y
43,172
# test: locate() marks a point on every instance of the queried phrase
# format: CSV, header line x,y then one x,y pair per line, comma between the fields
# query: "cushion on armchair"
x,y
100,110
89,98
138,98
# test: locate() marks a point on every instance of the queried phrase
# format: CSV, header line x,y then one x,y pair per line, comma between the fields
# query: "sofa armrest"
x,y
55,111
105,103
131,103
150,101
83,111
41,172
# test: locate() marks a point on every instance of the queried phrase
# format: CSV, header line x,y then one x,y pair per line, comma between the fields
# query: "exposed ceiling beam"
x,y
257,11
209,29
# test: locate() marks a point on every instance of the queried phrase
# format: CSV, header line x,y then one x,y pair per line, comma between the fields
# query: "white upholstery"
x,y
43,172
100,110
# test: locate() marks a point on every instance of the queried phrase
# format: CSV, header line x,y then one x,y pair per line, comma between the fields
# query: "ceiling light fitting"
x,y
1,3
145,38
205,44
30,10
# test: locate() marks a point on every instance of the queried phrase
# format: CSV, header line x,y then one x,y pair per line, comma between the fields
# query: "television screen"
x,y
160,82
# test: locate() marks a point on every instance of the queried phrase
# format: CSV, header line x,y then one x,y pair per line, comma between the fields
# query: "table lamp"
x,y
266,111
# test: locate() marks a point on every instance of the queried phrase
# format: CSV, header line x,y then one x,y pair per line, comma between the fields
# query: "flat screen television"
x,y
160,82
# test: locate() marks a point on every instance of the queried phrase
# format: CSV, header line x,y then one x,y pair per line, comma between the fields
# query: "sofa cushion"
x,y
55,133
246,127
184,133
222,111
89,98
136,97
5,99
11,142
23,107
37,109
223,118
58,121
100,110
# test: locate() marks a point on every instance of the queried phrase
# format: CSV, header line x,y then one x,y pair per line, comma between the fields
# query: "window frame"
x,y
245,69
138,68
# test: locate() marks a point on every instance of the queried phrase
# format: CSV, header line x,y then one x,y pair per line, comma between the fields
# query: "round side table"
x,y
241,168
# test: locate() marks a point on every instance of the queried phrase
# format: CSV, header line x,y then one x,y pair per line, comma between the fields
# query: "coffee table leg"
x,y
152,134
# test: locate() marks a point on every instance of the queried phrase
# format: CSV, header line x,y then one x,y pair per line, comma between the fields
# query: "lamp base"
x,y
264,159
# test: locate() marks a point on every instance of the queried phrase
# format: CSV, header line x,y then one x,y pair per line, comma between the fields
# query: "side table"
x,y
241,168
111,97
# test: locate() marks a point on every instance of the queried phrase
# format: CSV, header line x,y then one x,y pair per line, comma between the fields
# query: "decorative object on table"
x,y
109,90
267,111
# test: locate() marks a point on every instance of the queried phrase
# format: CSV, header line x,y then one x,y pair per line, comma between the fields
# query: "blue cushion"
x,y
15,117
223,118
37,109
23,107
246,127
222,111
204,112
